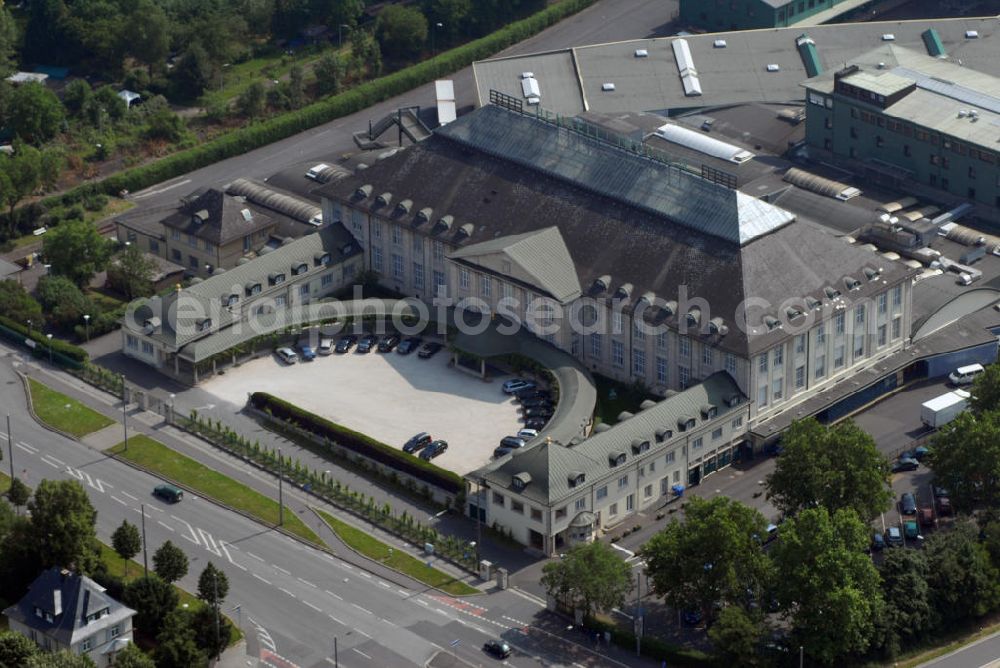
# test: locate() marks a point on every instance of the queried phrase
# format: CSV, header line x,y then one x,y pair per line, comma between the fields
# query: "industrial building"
x,y
722,15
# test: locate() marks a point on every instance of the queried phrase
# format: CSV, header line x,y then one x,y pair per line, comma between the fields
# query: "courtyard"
x,y
389,397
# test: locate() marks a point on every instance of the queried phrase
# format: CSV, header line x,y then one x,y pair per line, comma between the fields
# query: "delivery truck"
x,y
939,411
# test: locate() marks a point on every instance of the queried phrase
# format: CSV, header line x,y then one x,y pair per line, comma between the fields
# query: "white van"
x,y
964,375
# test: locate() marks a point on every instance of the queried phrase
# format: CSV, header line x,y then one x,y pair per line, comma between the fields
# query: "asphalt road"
x,y
293,599
605,21
982,654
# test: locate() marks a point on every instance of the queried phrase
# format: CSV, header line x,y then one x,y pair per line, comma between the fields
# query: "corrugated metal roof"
x,y
619,174
950,89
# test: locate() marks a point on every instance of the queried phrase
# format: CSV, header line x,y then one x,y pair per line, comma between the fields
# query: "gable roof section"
x,y
225,218
626,177
542,254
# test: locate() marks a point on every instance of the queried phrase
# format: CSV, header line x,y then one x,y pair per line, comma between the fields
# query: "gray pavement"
x,y
984,653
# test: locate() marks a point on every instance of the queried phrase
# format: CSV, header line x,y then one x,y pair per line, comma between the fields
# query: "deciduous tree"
x,y
17,304
965,456
251,101
170,562
908,611
213,585
63,301
15,649
147,31
736,636
18,493
133,657
401,30
963,582
131,272
76,250
176,646
833,467
589,577
61,659
8,42
62,525
152,599
35,113
985,391
127,542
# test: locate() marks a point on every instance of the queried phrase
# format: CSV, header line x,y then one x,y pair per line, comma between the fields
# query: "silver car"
x,y
287,355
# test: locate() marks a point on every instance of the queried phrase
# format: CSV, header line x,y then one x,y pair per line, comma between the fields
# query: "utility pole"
x,y
281,498
124,413
215,596
10,447
801,656
638,615
336,661
145,560
479,515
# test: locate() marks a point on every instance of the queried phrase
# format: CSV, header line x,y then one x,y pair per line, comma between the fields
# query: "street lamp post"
x,y
340,35
86,321
49,337
434,28
281,498
10,447
336,660
124,413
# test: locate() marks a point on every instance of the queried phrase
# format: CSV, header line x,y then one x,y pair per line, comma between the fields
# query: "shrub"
x,y
74,353
652,647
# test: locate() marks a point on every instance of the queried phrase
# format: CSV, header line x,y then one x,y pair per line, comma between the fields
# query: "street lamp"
x,y
433,34
124,413
340,35
221,71
29,326
86,320
49,337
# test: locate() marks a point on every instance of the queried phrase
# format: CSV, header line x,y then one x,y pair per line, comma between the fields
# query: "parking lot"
x,y
389,397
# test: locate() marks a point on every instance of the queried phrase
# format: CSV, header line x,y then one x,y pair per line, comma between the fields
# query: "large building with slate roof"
x,y
66,611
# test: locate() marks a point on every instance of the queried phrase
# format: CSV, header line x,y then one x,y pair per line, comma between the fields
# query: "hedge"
x,y
360,97
653,647
58,346
360,443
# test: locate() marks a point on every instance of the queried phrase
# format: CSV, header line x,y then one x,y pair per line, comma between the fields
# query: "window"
x,y
859,345
838,324
438,280
397,234
376,230
731,364
820,365
602,492
536,515
561,513
397,266
717,434
677,476
838,356
147,348
613,510
498,499
617,354
192,261
376,258
897,327
821,335
779,357
638,363
683,376
516,507
463,278
114,631
800,344
671,456
777,388
418,275
175,235
485,286
661,340
617,323
279,300
154,246
581,504
883,303
697,443
438,251
637,331
630,502
762,363
505,267
596,346
647,491
247,243
661,370
652,467
737,422
87,644
623,482
685,346
131,342
506,289
706,356
356,220
192,241
762,396
304,290
897,297
882,335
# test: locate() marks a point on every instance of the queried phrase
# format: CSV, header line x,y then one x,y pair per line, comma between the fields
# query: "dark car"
x,y
512,442
497,648
536,423
910,529
878,543
169,493
905,464
538,411
908,504
537,401
306,352
500,452
367,342
429,349
691,617
926,516
433,449
346,342
388,343
893,536
515,385
534,393
408,345
940,491
919,453
943,506
417,442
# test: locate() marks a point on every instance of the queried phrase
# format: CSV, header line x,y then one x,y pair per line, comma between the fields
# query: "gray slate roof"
x,y
551,464
226,220
79,597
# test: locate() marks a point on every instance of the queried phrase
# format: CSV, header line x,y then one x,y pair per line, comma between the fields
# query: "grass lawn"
x,y
60,412
626,398
236,79
159,458
379,551
4,483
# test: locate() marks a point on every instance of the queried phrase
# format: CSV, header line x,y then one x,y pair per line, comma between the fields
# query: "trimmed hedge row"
x,y
653,647
360,97
58,346
360,443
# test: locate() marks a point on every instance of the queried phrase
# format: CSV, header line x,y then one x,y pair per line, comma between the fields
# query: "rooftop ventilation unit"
x,y
773,67
888,37
719,44
529,86
607,87
641,53
971,34
527,75
247,215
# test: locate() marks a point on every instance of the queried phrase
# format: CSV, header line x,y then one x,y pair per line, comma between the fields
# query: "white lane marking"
x,y
361,653
159,510
286,591
335,619
306,582
384,584
56,460
336,596
362,609
164,525
222,546
441,612
280,569
50,463
314,607
118,500
348,567
366,575
124,493
209,542
389,623
402,592
193,537
27,448
364,634
261,579
254,556
148,193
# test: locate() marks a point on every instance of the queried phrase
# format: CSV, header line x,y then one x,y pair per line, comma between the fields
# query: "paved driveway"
x,y
389,397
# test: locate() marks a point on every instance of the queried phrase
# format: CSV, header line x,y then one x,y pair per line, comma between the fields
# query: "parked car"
x,y
920,452
408,345
500,452
535,423
538,401
346,342
169,493
497,648
527,434
940,491
367,342
325,346
926,516
905,464
943,506
388,343
910,529
538,411
417,442
878,543
908,504
533,393
965,375
287,355
893,536
433,449
691,617
307,353
429,349
511,442
517,384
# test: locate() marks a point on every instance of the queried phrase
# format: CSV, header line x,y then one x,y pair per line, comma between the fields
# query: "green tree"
x,y
908,612
164,124
965,456
590,577
18,493
191,74
963,583
451,14
64,302
15,649
62,525
76,250
147,31
834,467
250,103
20,176
205,635
985,391
330,72
213,585
105,103
715,555
133,657
62,659
131,273
35,113
17,304
401,30
736,636
127,542
991,538
152,599
77,96
177,646
8,42
170,562
827,585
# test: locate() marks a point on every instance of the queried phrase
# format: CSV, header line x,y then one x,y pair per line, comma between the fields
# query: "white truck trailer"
x,y
941,410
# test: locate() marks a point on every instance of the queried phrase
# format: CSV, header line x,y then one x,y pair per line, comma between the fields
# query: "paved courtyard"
x,y
389,397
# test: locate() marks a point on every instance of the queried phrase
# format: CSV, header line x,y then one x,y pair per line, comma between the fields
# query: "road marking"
x,y
348,567
336,596
124,493
165,525
280,569
364,634
81,475
209,542
402,592
52,464
362,609
366,575
335,619
261,579
159,510
287,592
56,460
440,611
27,448
361,653
384,584
148,193
421,602
193,537
389,622
314,607
118,500
254,556
222,546
306,582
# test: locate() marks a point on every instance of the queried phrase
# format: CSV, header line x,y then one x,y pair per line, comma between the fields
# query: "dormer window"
x,y
812,303
520,481
685,422
577,478
717,326
253,289
771,322
616,458
202,324
664,435
231,300
709,411
670,308
639,446
693,317
322,259
275,279
831,293
299,269
852,283
733,400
